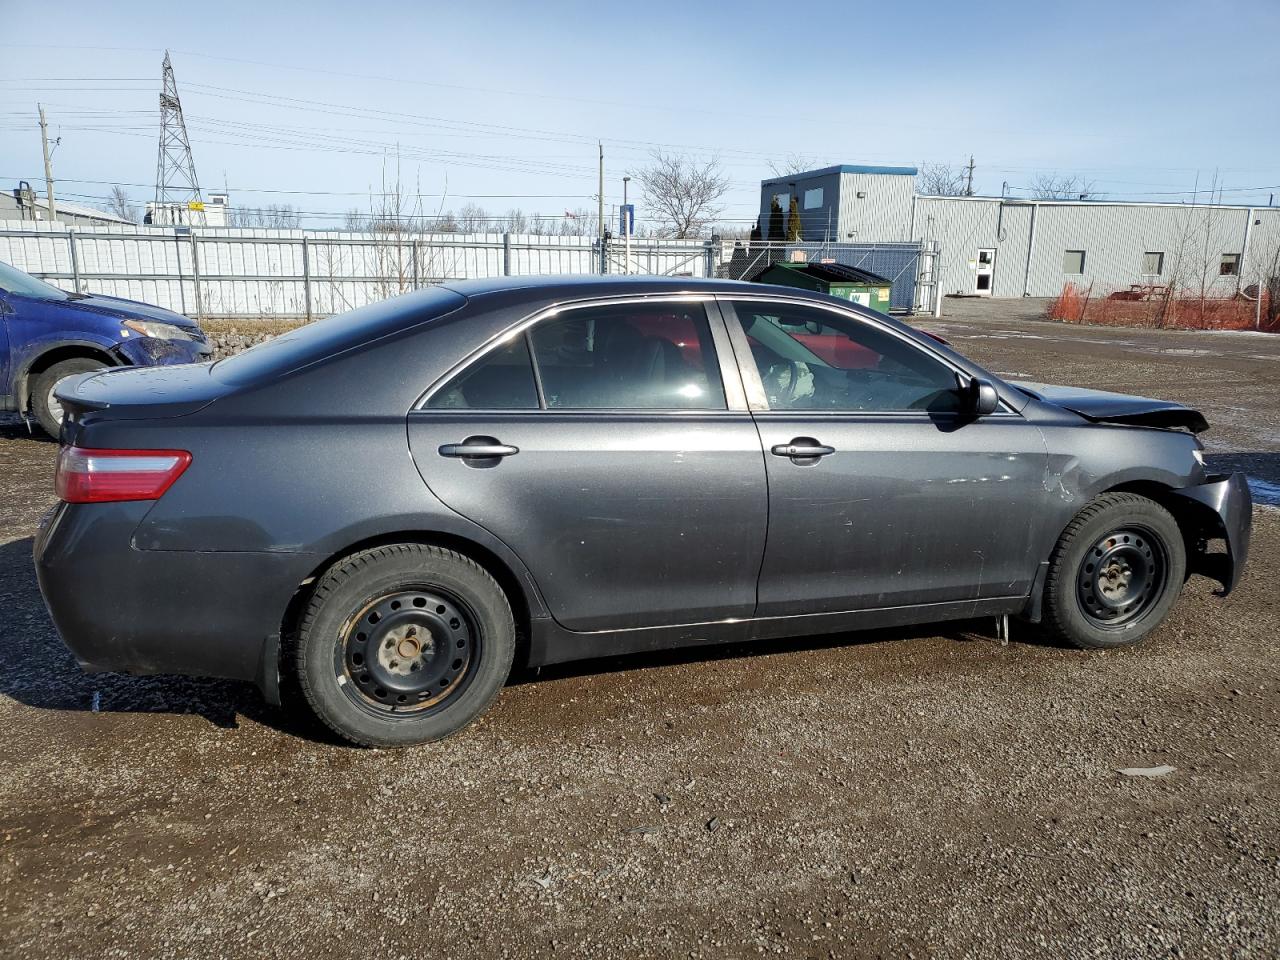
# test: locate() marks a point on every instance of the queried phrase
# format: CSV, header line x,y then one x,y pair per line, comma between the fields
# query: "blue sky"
x,y
500,103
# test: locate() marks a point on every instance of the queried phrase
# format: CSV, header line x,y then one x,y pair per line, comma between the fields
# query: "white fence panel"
x,y
236,272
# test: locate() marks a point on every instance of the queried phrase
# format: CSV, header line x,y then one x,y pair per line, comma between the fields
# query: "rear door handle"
x,y
802,448
467,450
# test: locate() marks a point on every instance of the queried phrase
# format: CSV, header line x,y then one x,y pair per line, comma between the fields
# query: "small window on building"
x,y
783,200
1230,265
813,198
1153,263
1073,261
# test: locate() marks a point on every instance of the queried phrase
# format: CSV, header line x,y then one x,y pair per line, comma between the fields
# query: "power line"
x,y
349,193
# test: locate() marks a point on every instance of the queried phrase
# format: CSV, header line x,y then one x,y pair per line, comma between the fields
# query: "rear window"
x,y
327,338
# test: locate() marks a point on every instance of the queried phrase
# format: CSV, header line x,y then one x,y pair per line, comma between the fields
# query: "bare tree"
x,y
793,164
473,218
282,216
395,218
120,205
516,221
683,195
1050,186
940,180
577,223
354,220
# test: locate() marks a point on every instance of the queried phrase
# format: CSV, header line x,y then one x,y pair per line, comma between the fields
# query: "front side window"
x,y
1073,261
629,356
1229,266
811,359
813,198
1153,263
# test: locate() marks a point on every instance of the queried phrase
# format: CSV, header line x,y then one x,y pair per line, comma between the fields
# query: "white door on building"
x,y
985,275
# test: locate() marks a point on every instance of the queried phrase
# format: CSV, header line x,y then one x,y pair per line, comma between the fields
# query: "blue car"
x,y
47,335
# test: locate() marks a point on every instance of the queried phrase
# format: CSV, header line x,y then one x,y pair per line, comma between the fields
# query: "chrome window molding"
x,y
730,375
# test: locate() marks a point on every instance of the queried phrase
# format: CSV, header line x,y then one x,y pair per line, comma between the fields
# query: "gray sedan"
x,y
400,503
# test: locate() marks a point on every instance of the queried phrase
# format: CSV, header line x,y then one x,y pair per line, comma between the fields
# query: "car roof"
x,y
558,285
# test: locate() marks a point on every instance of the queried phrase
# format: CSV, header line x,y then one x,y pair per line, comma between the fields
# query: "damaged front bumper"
x,y
154,352
1224,511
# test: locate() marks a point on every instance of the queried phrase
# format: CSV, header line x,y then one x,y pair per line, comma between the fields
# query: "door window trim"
x,y
730,371
757,399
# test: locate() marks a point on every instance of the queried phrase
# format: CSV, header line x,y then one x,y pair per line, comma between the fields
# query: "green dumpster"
x,y
836,279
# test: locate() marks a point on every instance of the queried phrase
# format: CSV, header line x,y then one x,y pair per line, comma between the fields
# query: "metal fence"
x,y
214,273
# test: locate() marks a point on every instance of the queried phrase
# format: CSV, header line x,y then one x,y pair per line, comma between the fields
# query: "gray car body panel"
x,y
613,531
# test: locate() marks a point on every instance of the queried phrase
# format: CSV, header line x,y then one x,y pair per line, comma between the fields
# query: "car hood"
x,y
129,309
1103,407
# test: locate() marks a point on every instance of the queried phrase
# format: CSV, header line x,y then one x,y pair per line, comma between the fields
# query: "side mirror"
x,y
982,397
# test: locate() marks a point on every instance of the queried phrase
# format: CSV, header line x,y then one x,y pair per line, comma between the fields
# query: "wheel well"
x,y
50,357
492,564
1196,521
1151,489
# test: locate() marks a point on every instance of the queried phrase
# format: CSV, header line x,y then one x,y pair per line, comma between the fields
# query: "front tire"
x,y
1115,573
404,644
44,405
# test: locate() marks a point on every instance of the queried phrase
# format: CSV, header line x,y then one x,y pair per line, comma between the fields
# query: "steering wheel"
x,y
782,382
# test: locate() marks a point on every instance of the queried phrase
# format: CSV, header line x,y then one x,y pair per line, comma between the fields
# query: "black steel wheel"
x,y
404,644
1121,576
1115,573
407,652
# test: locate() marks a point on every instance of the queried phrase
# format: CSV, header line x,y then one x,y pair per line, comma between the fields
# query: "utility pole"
x,y
48,164
968,189
600,197
626,224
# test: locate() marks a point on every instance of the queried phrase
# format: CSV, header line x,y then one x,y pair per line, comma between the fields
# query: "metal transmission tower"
x,y
178,197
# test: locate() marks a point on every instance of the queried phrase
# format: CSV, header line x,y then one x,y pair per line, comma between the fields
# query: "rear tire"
x,y
44,407
1115,573
404,644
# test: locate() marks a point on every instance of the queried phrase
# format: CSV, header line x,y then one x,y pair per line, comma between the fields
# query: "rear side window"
x,y
502,380
627,357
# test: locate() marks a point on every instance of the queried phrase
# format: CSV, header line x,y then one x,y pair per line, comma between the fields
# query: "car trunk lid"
x,y
1102,406
139,393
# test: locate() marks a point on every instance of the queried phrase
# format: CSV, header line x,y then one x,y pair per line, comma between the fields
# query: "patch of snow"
x,y
1264,491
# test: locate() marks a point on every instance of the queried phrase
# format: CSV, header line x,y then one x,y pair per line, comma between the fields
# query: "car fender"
x,y
447,529
35,350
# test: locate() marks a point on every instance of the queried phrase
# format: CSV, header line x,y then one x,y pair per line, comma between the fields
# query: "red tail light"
x,y
103,476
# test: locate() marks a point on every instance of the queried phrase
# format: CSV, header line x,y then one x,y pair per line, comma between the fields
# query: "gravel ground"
x,y
918,793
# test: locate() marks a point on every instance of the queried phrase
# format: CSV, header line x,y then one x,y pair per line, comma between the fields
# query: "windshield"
x,y
13,280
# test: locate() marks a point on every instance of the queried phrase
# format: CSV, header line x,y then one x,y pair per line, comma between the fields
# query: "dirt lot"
x,y
928,793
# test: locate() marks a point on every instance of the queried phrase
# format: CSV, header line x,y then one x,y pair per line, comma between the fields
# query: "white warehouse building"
x,y
1001,247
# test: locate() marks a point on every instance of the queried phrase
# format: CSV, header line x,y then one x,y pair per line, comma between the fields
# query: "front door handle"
x,y
481,448
803,448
